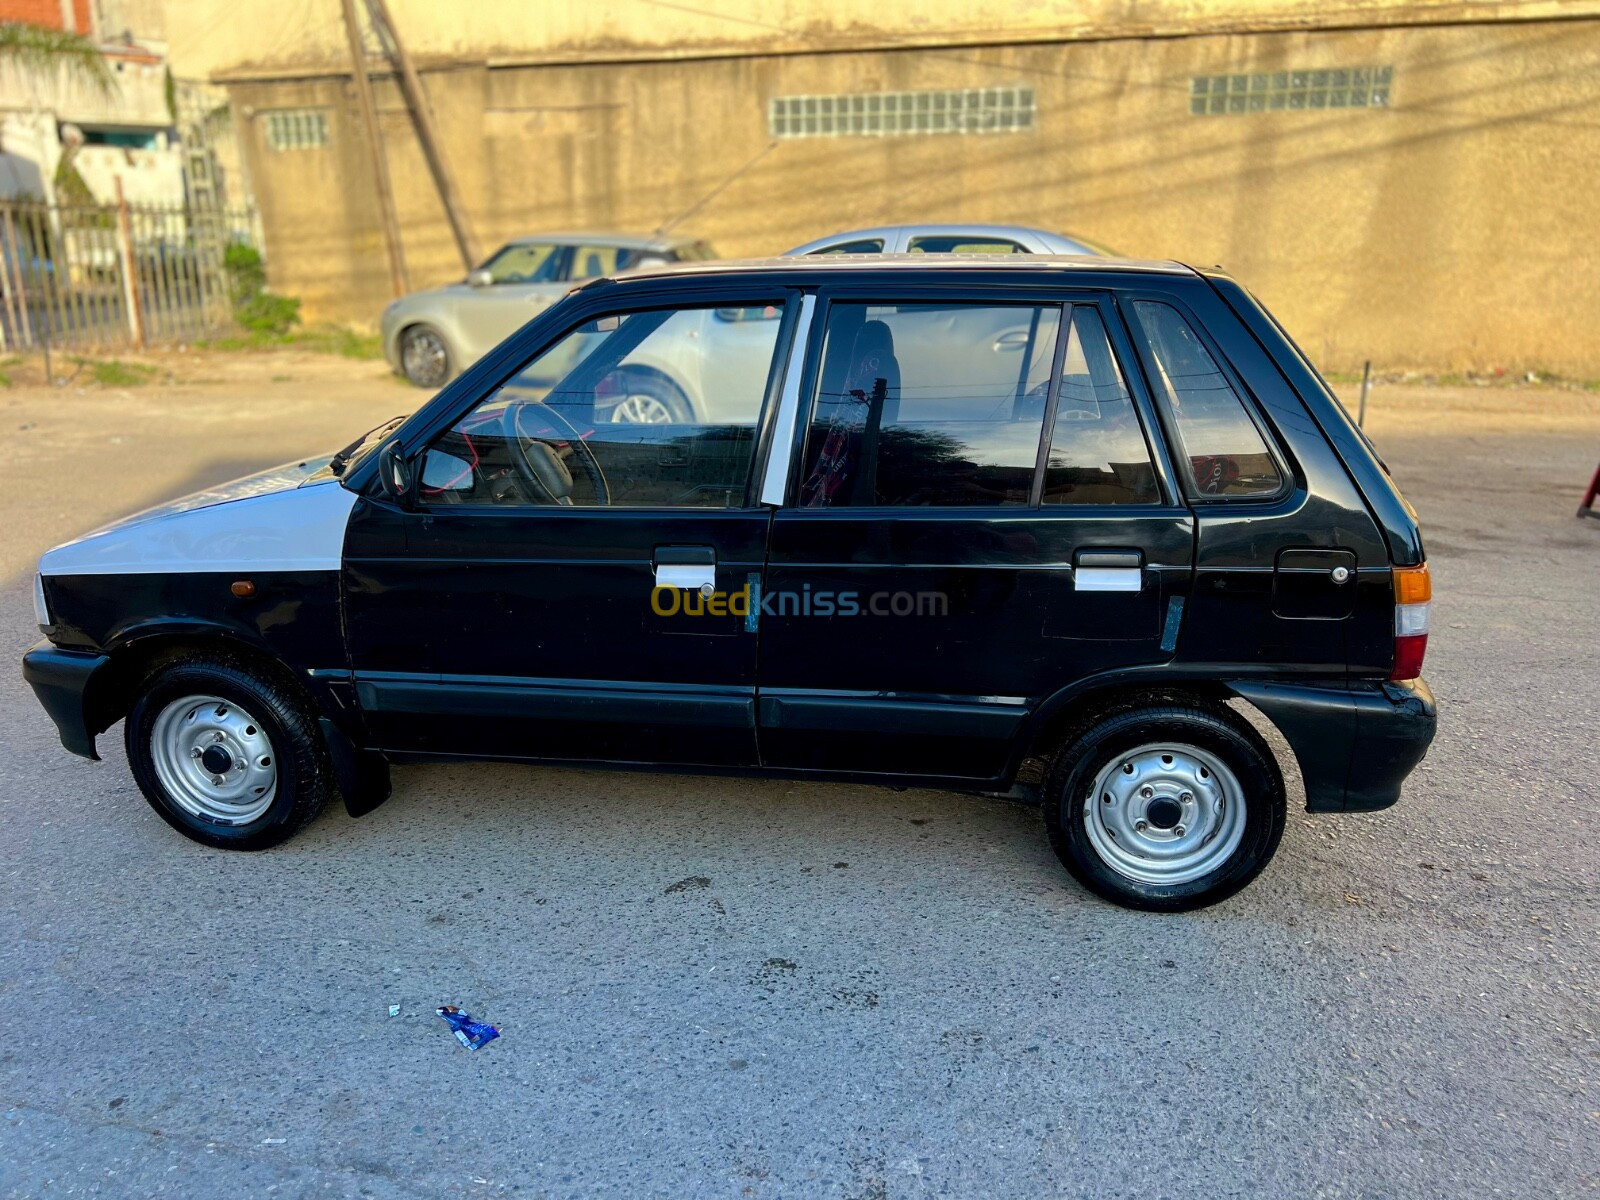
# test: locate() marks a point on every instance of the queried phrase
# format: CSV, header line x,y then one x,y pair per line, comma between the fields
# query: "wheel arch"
x,y
362,775
660,374
137,652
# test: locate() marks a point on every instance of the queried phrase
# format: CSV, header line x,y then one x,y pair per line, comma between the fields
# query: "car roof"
x,y
945,229
633,241
911,264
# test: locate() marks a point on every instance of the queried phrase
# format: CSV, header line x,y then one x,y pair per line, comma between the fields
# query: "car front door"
x,y
975,519
538,593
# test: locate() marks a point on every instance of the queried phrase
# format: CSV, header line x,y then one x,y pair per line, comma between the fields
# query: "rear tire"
x,y
227,755
1165,807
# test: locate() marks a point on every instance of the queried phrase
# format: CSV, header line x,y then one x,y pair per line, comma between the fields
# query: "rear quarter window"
x,y
1225,450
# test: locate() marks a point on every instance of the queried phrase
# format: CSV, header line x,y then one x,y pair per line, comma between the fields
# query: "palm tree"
x,y
39,51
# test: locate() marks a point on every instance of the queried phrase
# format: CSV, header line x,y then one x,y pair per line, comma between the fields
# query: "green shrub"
x,y
266,313
254,308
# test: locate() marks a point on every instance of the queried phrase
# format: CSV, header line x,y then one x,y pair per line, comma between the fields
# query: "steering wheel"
x,y
529,427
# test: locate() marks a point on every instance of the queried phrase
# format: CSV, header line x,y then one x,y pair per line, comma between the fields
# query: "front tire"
x,y
1165,807
424,357
649,400
227,755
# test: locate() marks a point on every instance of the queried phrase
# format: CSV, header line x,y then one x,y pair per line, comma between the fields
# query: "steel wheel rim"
x,y
188,742
641,408
1165,813
425,358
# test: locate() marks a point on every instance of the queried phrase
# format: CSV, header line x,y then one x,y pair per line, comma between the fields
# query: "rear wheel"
x,y
227,755
424,357
1165,807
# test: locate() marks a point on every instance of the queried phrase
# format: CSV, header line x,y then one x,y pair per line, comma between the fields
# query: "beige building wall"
x,y
1457,228
261,38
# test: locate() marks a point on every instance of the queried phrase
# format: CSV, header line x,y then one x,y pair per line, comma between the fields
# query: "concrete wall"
x,y
1456,228
251,38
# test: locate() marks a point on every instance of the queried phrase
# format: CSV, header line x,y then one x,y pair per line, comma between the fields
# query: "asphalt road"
x,y
709,987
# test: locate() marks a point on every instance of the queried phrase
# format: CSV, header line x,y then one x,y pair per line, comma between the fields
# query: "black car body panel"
x,y
524,631
1355,745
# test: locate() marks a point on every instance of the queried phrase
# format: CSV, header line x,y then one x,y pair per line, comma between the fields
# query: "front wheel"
x,y
648,400
227,755
1165,807
424,357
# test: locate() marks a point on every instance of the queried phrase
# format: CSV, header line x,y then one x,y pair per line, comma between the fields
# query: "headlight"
x,y
41,610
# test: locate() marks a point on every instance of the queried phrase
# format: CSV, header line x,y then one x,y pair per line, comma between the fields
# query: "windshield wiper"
x,y
341,458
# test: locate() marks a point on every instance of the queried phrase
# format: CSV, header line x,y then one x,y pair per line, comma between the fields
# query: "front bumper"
x,y
66,683
1356,744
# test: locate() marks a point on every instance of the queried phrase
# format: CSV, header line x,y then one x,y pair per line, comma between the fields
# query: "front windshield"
x,y
523,262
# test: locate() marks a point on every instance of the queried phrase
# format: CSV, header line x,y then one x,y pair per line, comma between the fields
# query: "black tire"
x,y
1212,729
304,774
425,356
646,386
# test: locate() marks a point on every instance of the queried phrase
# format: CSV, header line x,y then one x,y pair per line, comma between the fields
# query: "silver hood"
x,y
289,518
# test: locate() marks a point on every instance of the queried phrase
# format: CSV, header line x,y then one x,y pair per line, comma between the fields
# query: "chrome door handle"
x,y
688,568
1108,571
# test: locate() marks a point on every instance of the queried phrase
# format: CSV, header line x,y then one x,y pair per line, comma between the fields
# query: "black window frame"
x,y
1168,484
1288,480
787,299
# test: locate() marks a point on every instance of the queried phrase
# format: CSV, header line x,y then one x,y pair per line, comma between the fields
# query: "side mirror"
x,y
479,278
394,473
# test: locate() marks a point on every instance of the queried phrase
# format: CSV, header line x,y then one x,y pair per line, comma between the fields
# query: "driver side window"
x,y
655,408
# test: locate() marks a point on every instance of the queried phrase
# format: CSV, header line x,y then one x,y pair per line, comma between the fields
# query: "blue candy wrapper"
x,y
472,1034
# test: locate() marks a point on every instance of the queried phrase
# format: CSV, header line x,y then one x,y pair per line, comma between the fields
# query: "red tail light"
x,y
1413,592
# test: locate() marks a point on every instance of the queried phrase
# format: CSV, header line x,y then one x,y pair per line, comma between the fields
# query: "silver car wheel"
x,y
213,760
1165,814
641,408
423,357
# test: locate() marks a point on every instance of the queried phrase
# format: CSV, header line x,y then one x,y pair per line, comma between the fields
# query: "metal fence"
x,y
103,275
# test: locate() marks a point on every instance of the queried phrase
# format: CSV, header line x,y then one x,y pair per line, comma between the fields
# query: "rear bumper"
x,y
1355,744
64,681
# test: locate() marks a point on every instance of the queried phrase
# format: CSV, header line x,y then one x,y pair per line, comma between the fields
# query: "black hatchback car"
x,y
928,520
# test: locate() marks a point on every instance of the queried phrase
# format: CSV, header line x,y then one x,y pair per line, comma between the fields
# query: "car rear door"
x,y
975,517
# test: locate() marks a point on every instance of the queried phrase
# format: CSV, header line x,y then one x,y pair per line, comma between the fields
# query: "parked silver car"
x,y
431,336
951,239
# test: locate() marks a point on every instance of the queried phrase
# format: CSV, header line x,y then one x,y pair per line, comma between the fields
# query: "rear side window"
x,y
591,262
947,243
1098,453
1226,452
923,405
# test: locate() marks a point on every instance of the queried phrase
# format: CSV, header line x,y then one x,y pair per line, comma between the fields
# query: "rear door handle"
x,y
1015,340
691,568
1107,571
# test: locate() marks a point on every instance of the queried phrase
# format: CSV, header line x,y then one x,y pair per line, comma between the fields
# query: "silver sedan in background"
x,y
430,337
952,239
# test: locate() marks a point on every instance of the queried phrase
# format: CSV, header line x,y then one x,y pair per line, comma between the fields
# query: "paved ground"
x,y
722,988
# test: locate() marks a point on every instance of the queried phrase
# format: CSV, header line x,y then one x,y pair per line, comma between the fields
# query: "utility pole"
x,y
380,166
422,118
